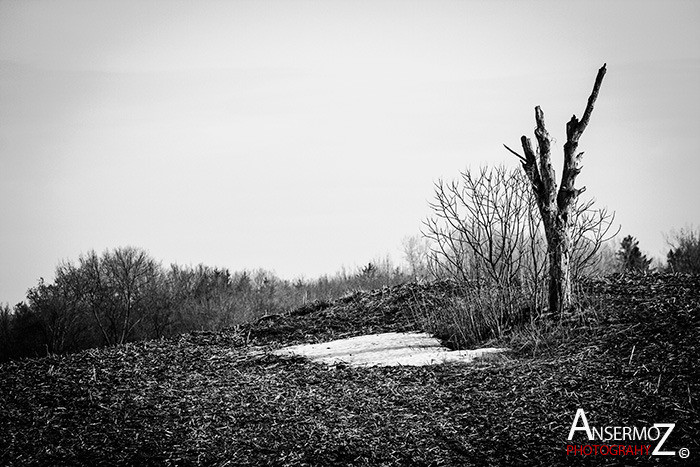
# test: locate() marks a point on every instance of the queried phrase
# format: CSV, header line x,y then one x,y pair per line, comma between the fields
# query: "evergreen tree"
x,y
630,257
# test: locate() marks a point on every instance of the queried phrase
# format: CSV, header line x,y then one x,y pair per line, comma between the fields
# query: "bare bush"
x,y
592,229
479,226
416,250
684,255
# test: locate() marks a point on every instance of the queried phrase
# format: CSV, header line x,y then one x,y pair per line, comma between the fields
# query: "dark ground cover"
x,y
223,399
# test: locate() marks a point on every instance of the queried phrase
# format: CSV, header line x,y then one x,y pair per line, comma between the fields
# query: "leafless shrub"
x,y
684,255
416,250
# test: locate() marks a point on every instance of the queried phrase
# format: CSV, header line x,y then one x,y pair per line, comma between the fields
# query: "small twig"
x,y
632,354
690,399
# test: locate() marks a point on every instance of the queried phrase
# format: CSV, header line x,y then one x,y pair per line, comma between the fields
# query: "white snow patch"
x,y
388,349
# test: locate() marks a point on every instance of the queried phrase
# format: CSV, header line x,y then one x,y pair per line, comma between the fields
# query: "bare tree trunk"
x,y
559,253
555,203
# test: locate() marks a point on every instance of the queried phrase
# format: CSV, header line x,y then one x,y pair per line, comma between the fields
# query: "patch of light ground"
x,y
388,349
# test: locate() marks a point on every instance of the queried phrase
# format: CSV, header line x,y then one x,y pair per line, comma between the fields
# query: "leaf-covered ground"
x,y
223,399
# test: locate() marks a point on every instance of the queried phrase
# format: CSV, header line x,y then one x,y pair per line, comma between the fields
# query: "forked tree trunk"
x,y
556,202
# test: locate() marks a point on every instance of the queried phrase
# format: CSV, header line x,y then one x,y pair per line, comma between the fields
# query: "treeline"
x,y
124,295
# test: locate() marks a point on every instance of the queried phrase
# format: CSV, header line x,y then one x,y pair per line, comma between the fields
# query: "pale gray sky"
x,y
304,136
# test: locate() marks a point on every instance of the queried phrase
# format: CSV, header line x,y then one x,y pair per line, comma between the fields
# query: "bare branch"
x,y
567,194
591,100
524,161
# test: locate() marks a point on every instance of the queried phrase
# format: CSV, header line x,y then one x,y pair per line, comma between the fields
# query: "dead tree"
x,y
555,203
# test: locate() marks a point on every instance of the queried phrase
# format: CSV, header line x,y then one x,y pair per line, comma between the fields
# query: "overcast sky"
x,y
305,136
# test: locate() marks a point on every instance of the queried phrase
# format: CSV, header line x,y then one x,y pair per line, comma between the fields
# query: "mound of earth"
x,y
390,309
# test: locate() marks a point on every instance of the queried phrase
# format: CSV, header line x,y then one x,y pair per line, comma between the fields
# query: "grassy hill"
x,y
223,399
